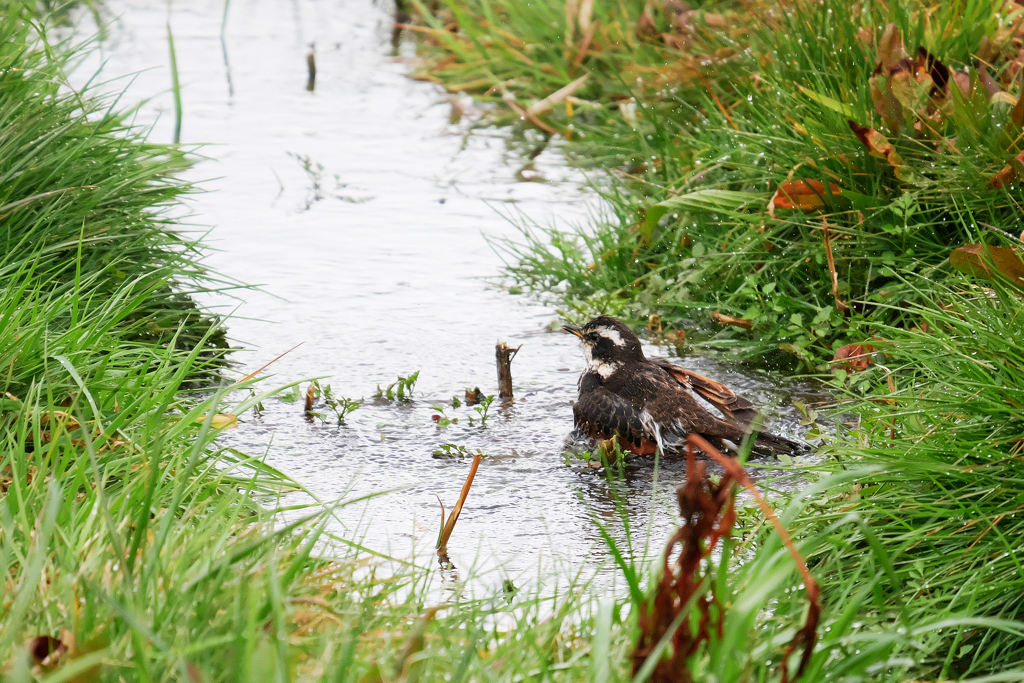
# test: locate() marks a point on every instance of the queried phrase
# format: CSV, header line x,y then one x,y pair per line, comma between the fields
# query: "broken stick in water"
x,y
311,64
504,354
448,526
310,397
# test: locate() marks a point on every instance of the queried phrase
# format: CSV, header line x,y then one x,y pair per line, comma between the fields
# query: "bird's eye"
x,y
593,336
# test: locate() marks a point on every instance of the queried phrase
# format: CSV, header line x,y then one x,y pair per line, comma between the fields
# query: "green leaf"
x,y
829,103
862,202
719,201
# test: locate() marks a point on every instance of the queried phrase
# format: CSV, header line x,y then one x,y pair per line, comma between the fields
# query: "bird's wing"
x,y
679,414
678,411
599,412
717,394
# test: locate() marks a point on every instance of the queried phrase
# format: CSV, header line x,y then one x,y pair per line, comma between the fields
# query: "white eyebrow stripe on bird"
x,y
612,335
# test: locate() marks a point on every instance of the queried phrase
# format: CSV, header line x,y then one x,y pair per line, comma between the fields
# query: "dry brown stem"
x,y
723,319
504,354
267,365
809,633
840,306
449,525
310,397
510,99
708,514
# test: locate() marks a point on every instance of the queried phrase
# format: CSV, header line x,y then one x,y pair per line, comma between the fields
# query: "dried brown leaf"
x,y
1017,113
886,104
806,195
984,261
807,635
1010,172
854,357
903,88
877,144
709,513
645,25
990,83
963,81
866,37
988,50
890,49
220,421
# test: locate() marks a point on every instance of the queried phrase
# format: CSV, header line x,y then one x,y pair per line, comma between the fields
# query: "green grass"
x,y
129,537
937,457
82,192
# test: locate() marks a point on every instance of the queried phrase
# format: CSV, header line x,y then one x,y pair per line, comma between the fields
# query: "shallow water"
x,y
371,257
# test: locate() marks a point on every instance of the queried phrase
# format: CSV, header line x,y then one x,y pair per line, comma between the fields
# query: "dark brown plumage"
x,y
625,394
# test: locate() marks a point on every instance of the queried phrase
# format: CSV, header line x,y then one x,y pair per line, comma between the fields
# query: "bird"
x,y
642,401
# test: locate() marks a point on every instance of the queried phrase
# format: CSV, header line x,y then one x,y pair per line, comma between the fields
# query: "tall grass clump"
x,y
84,193
776,164
122,528
929,512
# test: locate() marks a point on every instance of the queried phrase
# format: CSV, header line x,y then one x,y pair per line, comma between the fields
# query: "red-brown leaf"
x,y
806,195
854,357
1010,172
983,260
879,146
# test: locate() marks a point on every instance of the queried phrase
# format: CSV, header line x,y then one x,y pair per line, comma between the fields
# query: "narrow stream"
x,y
362,212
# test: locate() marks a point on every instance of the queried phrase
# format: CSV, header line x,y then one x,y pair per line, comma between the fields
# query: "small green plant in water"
x,y
509,589
452,450
315,172
257,408
400,390
482,409
442,418
809,419
609,452
569,456
339,404
291,396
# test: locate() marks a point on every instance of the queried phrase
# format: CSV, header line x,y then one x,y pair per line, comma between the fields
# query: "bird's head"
x,y
608,344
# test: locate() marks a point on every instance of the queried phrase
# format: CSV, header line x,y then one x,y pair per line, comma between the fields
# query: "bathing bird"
x,y
627,395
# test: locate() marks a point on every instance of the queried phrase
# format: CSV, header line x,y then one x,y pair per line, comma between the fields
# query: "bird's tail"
x,y
766,441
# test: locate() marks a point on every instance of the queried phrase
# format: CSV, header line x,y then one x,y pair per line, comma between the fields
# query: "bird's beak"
x,y
573,329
